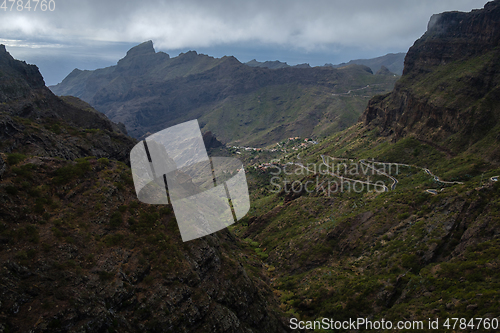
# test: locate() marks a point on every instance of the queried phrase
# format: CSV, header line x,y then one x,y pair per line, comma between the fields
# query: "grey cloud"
x,y
309,25
91,34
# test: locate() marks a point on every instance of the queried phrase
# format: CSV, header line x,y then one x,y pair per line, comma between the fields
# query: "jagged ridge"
x,y
35,121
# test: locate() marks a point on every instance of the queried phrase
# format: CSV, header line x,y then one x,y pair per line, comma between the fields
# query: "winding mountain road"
x,y
362,88
394,180
355,180
342,178
436,178
371,166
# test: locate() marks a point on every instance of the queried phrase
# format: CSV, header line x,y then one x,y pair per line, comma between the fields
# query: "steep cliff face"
x,y
453,36
23,93
35,121
9,67
450,90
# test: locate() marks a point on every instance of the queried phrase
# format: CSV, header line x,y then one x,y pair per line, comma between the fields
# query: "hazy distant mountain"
x,y
274,64
268,64
150,91
394,62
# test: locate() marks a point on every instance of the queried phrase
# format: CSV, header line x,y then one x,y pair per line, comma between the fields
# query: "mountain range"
x,y
424,245
394,62
273,64
79,252
239,104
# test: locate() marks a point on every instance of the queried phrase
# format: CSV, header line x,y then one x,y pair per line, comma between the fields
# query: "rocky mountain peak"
x,y
140,58
141,49
190,53
28,76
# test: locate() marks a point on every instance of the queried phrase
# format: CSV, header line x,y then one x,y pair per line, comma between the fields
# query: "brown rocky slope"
x,y
79,253
33,120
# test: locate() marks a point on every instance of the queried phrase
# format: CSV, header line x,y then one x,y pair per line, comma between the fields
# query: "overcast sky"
x,y
89,34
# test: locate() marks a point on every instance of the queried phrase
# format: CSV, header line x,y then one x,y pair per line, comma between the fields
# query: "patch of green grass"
x,y
25,171
103,161
71,172
12,190
15,158
116,220
57,232
55,128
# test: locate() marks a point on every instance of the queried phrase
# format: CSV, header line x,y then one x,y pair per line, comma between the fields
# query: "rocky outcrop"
x,y
145,48
449,92
28,77
453,36
35,121
3,166
23,93
140,60
57,139
211,141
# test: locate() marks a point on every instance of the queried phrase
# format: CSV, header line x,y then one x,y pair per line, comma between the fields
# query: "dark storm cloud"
x,y
89,34
307,25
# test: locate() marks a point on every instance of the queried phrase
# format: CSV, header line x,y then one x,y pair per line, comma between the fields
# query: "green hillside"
x,y
338,253
416,238
274,113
